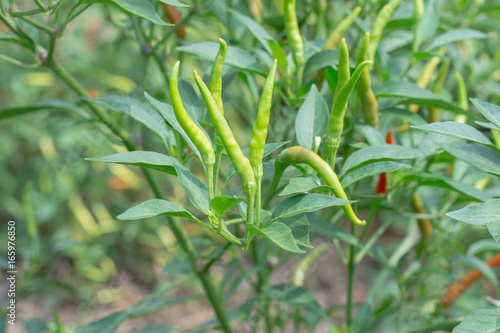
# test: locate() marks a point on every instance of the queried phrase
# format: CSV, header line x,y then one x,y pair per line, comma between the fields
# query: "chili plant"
x,y
268,153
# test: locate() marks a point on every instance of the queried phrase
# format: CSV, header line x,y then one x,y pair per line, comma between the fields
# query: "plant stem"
x,y
263,305
350,280
179,232
19,13
40,5
37,25
258,172
215,301
218,156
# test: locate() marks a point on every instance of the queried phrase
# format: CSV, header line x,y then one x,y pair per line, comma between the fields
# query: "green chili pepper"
x,y
215,84
240,162
297,155
259,132
295,39
215,87
426,75
198,137
438,89
339,105
369,104
336,36
379,25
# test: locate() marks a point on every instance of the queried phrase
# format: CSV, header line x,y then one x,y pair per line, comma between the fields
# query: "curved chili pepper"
x,y
379,25
295,40
344,88
297,155
336,36
369,104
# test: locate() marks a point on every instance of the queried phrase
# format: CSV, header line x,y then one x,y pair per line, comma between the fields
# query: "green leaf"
x,y
168,114
236,57
372,136
331,231
322,59
196,191
487,214
279,234
155,207
297,297
459,131
255,29
455,36
156,329
107,324
47,105
482,320
144,159
304,203
371,170
300,229
142,9
488,110
415,95
312,119
480,265
481,157
174,3
378,154
304,184
429,179
429,23
405,115
223,204
137,110
110,324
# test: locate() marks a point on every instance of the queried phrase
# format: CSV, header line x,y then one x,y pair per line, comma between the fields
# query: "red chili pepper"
x,y
382,180
174,17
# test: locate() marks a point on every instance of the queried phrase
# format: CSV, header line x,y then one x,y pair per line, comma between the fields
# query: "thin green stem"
x,y
218,157
258,172
235,221
40,5
184,20
250,220
52,47
19,13
373,212
37,25
263,305
215,301
350,280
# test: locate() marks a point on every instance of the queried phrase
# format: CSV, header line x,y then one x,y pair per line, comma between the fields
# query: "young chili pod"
x,y
368,101
297,155
240,162
215,84
259,132
379,25
295,39
198,137
336,36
